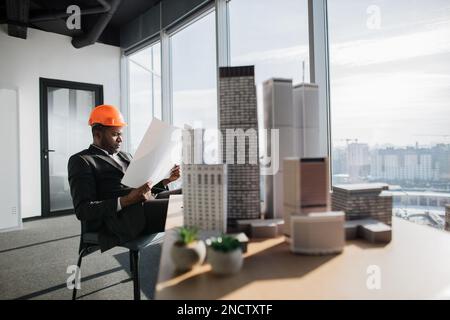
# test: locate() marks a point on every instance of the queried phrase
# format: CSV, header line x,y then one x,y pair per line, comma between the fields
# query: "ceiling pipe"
x,y
105,7
92,36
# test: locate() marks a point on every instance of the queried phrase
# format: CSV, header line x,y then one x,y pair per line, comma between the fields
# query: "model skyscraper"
x,y
192,142
237,111
302,126
279,114
312,121
205,196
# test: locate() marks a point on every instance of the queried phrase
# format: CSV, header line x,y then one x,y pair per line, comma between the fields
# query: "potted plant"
x,y
188,251
225,255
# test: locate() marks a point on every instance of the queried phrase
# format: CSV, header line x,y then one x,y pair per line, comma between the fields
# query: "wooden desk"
x,y
415,265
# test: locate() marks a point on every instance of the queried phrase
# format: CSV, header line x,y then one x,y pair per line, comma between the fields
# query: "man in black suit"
x,y
103,204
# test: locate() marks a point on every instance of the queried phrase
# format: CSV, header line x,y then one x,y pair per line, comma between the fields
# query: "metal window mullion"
x,y
319,59
166,78
124,97
222,43
222,34
152,76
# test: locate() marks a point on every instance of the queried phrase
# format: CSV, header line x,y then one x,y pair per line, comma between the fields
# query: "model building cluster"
x,y
299,203
301,122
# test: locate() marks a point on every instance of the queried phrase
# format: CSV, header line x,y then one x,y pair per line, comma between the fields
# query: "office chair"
x,y
89,243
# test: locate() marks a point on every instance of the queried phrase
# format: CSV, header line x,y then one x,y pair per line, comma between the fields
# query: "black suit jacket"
x,y
95,184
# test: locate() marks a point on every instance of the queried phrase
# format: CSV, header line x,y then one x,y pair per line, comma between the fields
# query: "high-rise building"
x,y
411,164
358,161
205,196
238,123
279,114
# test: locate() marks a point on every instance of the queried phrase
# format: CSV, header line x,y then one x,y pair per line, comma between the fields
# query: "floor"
x,y
34,263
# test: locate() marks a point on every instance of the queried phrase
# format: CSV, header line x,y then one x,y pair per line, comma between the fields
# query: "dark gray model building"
x,y
362,201
238,111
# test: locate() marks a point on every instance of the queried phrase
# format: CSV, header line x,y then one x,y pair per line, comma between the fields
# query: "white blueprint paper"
x,y
154,157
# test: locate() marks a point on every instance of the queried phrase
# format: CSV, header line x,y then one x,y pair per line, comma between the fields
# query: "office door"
x,y
65,109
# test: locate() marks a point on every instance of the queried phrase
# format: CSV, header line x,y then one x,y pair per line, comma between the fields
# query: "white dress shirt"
x,y
119,161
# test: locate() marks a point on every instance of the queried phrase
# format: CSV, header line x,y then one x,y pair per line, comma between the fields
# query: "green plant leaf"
x,y
225,244
187,235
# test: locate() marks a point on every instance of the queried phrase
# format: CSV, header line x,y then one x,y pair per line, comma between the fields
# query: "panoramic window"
x,y
144,91
194,89
272,35
390,101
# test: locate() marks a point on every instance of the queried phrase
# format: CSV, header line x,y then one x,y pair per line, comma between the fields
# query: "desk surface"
x,y
415,265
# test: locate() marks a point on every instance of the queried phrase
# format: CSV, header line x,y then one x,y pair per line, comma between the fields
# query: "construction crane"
x,y
347,140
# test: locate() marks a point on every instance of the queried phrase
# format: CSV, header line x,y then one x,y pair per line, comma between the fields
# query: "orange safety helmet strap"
x,y
106,115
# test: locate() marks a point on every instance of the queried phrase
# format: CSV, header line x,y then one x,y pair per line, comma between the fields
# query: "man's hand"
x,y
137,195
174,175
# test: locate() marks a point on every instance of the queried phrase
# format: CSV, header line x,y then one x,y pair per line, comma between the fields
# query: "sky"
x,y
390,64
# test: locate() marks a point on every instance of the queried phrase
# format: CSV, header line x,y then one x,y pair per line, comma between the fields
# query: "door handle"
x,y
46,151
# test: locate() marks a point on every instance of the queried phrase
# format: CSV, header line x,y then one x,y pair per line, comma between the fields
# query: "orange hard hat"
x,y
106,115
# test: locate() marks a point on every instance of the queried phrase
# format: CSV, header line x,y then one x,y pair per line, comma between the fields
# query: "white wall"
x,y
49,55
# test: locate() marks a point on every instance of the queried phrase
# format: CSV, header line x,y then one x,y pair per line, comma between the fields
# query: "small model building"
x,y
205,196
318,233
447,217
306,187
363,201
258,228
368,229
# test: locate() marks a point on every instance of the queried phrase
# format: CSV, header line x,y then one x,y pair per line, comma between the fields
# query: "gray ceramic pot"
x,y
224,263
185,257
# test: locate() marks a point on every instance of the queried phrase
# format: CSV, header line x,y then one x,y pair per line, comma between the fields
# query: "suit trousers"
x,y
141,219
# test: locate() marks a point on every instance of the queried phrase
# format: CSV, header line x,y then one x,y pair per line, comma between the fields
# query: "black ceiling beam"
x,y
17,14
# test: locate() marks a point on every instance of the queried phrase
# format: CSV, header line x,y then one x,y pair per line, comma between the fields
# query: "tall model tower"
x,y
192,145
312,121
205,196
279,114
238,123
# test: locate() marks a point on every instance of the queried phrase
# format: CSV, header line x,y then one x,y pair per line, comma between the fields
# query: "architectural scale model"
x,y
279,114
192,145
306,187
238,113
362,201
368,229
318,233
447,217
205,196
